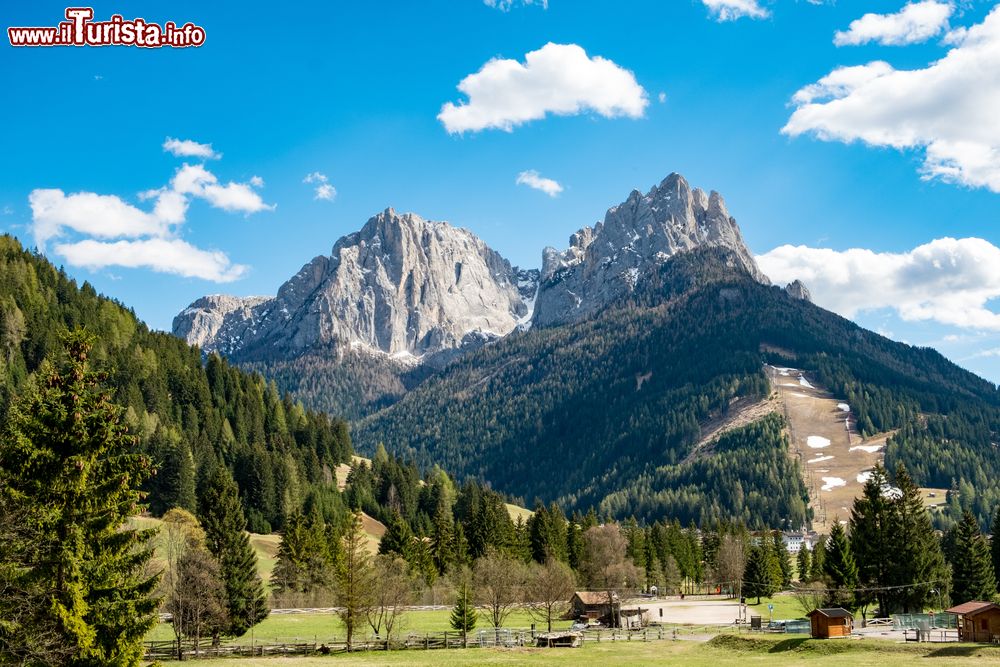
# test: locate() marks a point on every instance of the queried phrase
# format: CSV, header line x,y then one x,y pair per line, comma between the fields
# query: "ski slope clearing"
x,y
833,455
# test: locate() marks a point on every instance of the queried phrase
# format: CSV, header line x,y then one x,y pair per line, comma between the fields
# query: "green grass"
x,y
724,650
290,627
785,608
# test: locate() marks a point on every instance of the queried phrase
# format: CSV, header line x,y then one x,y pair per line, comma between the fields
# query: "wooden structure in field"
x,y
595,606
567,639
830,623
977,621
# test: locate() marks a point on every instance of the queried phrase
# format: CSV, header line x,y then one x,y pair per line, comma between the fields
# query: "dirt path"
x,y
833,455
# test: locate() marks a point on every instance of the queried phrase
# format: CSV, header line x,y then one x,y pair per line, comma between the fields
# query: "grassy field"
x,y
785,608
292,627
724,650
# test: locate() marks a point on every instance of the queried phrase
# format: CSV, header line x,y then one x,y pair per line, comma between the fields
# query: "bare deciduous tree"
x,y
550,588
500,582
392,591
606,566
731,563
810,596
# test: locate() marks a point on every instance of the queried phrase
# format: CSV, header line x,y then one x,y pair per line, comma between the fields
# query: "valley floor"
x,y
724,650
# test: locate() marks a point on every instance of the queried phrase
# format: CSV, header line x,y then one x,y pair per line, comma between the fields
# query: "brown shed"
x,y
977,621
594,606
828,623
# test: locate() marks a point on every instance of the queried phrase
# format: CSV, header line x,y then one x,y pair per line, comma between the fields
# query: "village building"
x,y
977,621
830,623
594,606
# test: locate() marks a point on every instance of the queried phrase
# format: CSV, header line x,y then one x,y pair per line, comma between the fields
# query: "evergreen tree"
x,y
302,569
871,518
995,546
226,538
443,538
354,578
973,577
840,569
398,539
780,552
816,566
574,541
917,564
463,614
69,470
803,563
759,574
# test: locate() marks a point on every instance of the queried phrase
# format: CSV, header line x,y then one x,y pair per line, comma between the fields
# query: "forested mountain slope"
x,y
190,414
605,411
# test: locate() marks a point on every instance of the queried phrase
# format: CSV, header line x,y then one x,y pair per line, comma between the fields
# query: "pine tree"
x,y
226,538
354,578
816,566
780,552
871,517
972,577
759,574
443,538
302,569
803,563
840,568
995,546
574,541
398,538
71,473
917,565
463,614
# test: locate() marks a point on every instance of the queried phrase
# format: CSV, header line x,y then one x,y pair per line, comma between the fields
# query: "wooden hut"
x,y
829,623
977,621
594,606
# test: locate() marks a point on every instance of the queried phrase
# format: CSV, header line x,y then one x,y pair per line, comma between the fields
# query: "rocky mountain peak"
x,y
606,261
797,290
400,285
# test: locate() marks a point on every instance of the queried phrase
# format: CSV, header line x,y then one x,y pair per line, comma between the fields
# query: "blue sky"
x,y
890,157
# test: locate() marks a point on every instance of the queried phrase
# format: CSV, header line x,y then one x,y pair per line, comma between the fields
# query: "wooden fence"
x,y
489,638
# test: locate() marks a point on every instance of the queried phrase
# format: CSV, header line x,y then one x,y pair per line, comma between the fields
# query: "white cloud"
x,y
197,181
948,109
662,97
164,255
730,10
323,189
947,280
146,238
505,5
188,148
103,216
558,78
916,22
534,180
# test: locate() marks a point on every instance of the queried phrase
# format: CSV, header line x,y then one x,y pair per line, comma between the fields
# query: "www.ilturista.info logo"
x,y
81,30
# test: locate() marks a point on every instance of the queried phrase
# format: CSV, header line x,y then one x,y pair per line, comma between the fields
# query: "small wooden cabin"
x,y
594,606
977,621
829,623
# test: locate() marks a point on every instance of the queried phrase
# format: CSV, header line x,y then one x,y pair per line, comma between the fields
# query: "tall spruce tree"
x,y
995,546
816,566
972,577
803,563
840,569
463,614
226,538
780,552
354,578
69,469
759,576
871,543
918,569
